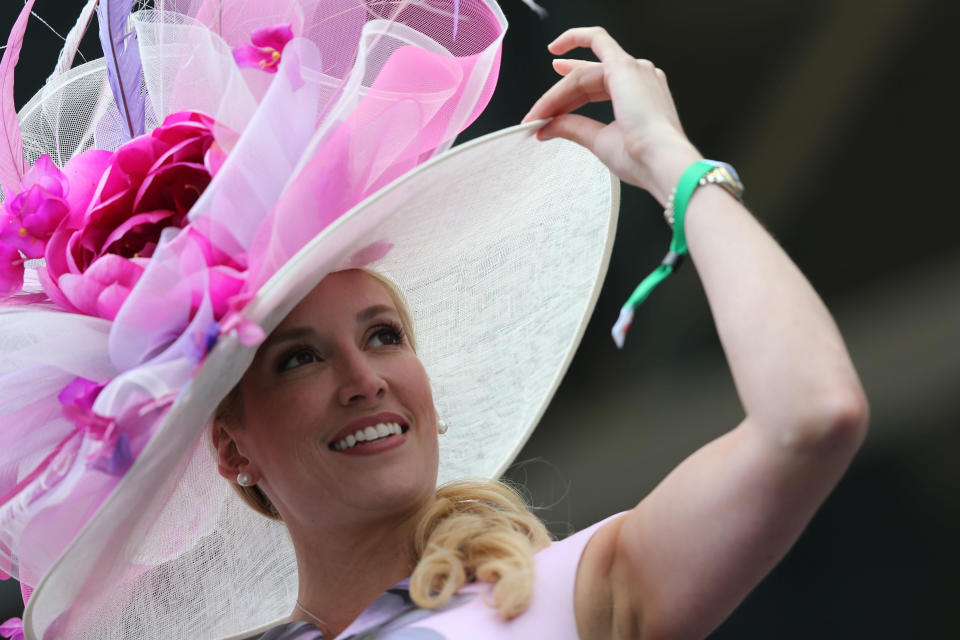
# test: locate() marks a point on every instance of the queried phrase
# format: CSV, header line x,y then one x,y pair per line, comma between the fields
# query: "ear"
x,y
230,461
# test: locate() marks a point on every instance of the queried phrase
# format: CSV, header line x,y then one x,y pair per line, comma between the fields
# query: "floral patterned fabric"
x,y
388,618
394,616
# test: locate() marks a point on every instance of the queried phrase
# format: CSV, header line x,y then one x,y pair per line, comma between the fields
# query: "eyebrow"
x,y
299,333
287,335
372,312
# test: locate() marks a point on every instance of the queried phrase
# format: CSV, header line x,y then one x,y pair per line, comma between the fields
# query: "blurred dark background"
x,y
840,117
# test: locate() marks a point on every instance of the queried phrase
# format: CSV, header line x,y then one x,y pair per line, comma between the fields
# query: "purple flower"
x,y
265,52
114,456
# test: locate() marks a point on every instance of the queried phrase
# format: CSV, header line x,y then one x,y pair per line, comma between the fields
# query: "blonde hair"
x,y
475,530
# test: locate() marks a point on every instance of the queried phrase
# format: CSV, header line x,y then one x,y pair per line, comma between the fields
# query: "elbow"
x,y
836,420
848,417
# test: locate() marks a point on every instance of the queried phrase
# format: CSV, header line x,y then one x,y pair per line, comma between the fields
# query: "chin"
x,y
401,489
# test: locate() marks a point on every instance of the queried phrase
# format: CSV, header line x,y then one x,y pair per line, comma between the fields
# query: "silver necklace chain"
x,y
324,627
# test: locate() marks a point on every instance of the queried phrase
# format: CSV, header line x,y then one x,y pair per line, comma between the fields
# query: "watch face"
x,y
729,175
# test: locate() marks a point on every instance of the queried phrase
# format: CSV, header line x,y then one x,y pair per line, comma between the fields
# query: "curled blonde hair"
x,y
476,530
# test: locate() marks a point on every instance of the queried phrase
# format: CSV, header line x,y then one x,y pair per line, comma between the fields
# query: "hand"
x,y
645,144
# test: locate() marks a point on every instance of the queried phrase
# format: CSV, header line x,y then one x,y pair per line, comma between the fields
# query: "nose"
x,y
360,382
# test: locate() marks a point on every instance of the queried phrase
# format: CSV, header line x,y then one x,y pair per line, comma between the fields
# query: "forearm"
x,y
788,360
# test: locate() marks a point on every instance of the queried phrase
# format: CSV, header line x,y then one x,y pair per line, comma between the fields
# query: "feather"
x,y
124,70
537,9
11,145
72,42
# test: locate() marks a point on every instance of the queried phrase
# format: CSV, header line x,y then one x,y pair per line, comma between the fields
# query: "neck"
x,y
344,567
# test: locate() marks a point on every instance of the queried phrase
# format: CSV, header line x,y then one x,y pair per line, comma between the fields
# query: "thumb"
x,y
573,127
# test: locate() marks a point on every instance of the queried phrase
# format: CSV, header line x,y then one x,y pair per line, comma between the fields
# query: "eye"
x,y
298,358
386,335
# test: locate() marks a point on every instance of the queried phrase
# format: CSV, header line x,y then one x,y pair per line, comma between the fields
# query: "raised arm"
x,y
677,564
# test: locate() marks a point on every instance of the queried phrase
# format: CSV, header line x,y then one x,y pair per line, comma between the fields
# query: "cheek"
x,y
419,392
281,422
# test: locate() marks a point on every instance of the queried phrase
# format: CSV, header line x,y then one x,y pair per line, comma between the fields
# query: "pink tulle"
x,y
383,138
12,628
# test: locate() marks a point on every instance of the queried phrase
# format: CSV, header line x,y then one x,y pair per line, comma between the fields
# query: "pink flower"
x,y
11,263
265,52
12,628
29,218
37,209
99,251
81,394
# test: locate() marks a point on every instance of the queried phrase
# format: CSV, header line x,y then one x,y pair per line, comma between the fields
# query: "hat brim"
x,y
500,246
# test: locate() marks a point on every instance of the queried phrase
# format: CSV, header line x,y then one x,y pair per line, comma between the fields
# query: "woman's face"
x,y
338,421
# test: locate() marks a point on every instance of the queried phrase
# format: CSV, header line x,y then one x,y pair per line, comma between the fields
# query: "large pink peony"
x,y
99,251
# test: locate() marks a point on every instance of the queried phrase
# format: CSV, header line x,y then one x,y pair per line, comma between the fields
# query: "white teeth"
x,y
382,430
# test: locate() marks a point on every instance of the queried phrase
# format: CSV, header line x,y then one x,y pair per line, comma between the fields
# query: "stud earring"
x,y
244,479
441,427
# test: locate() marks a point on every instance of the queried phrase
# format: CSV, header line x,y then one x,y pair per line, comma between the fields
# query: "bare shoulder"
x,y
594,604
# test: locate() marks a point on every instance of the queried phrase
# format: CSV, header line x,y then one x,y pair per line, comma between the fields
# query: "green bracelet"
x,y
692,178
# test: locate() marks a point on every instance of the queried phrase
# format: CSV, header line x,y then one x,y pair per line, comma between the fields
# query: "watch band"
x,y
722,174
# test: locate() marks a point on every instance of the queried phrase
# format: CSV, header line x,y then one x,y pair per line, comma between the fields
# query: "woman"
x,y
180,262
672,567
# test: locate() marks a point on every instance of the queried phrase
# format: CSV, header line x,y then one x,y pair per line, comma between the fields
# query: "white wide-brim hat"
x,y
499,245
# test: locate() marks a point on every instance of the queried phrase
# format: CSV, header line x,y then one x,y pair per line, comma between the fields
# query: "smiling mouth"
x,y
369,435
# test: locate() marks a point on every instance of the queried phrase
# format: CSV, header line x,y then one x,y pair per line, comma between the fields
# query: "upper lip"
x,y
367,421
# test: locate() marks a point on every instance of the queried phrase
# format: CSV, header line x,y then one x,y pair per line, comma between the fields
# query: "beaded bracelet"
x,y
700,173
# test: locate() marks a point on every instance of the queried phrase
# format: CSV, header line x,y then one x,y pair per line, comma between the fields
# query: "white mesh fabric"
x,y
186,67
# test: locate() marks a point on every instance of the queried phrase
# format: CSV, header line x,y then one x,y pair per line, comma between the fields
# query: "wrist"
x,y
664,163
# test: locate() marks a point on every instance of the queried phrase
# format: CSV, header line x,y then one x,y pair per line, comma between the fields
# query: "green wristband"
x,y
679,200
688,183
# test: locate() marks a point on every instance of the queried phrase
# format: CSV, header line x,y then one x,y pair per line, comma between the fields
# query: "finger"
x,y
595,38
582,85
579,129
564,66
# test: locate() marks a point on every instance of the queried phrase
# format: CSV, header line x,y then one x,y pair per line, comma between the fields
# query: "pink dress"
x,y
393,616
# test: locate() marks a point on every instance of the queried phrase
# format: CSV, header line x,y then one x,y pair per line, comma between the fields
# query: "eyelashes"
x,y
385,334
297,356
393,331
